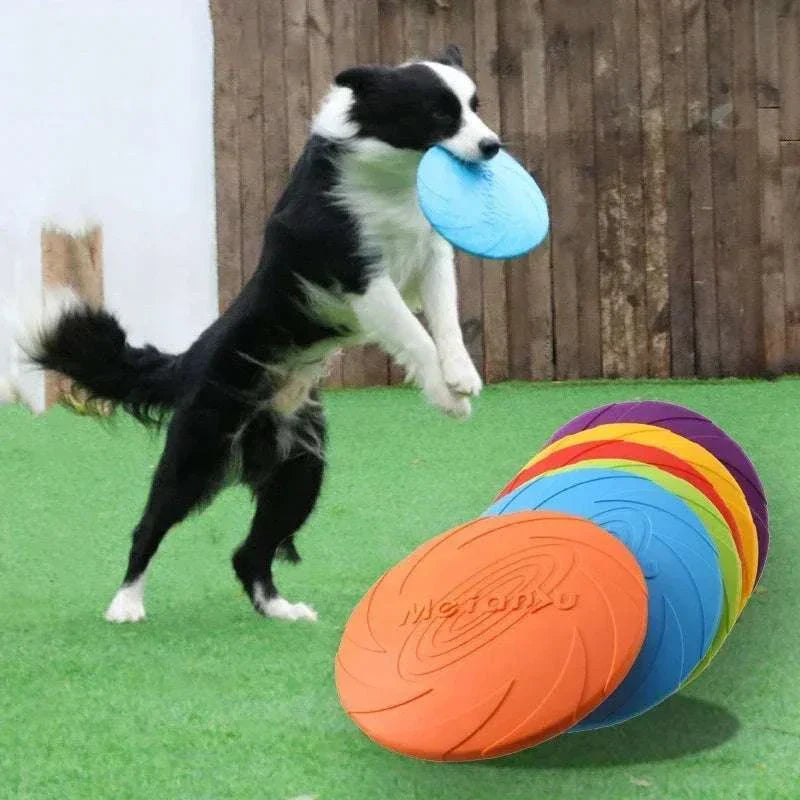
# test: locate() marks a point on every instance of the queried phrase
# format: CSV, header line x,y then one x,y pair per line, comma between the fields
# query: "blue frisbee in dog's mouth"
x,y
490,209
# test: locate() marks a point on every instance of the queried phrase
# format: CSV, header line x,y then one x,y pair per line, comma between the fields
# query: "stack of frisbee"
x,y
605,576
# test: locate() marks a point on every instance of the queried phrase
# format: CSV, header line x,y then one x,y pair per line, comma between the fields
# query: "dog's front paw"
x,y
454,405
460,374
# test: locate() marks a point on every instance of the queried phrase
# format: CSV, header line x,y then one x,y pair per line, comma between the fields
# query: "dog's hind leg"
x,y
283,503
189,473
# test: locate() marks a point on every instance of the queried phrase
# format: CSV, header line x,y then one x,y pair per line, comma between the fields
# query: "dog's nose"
x,y
489,148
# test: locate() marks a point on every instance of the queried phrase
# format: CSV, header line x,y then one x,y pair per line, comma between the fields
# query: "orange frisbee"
x,y
492,637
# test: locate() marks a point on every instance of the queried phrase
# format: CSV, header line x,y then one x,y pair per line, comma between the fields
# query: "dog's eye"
x,y
442,116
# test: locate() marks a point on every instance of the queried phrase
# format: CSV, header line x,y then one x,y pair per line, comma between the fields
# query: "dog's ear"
x,y
356,78
452,56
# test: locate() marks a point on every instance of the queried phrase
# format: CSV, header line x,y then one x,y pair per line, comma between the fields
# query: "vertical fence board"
x,y
626,35
789,69
723,160
767,72
790,181
534,115
615,310
273,85
564,218
774,299
250,113
654,199
227,34
676,153
747,190
296,66
701,191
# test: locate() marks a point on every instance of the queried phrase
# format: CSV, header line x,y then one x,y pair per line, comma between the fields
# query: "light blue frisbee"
x,y
680,566
491,209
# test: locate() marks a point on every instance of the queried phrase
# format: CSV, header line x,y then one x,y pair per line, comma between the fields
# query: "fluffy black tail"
x,y
89,346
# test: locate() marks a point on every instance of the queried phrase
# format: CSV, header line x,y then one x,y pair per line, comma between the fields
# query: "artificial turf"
x,y
207,700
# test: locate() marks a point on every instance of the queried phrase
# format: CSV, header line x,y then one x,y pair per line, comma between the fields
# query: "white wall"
x,y
107,117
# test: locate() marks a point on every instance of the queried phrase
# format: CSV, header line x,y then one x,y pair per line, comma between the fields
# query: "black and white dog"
x,y
347,258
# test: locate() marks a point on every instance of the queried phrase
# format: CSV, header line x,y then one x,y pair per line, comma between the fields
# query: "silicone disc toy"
x,y
697,456
729,563
663,460
699,429
492,637
679,562
491,209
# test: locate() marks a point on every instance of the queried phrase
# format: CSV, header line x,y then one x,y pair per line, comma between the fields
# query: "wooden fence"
x,y
665,134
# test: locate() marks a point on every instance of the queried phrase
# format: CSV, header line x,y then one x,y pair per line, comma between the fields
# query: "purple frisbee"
x,y
697,428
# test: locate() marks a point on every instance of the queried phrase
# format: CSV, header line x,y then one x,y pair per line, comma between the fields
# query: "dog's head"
x,y
412,107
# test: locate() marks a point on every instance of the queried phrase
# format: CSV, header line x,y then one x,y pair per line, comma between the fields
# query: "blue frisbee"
x,y
680,566
491,209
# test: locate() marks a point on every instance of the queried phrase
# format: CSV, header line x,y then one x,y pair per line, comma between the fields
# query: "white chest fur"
x,y
378,187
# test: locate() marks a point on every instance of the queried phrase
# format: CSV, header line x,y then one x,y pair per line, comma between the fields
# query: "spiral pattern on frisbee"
x,y
714,524
492,637
700,459
679,562
691,425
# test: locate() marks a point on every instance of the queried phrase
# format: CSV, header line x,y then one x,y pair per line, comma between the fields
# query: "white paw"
x,y
460,374
127,606
279,608
454,405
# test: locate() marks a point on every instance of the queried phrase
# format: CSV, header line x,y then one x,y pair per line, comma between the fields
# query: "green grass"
x,y
207,700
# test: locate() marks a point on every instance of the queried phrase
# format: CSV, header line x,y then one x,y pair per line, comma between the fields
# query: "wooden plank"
x,y
789,69
679,246
615,310
227,34
767,73
654,191
74,260
415,29
790,190
626,36
296,67
461,31
748,215
438,17
723,163
564,219
771,238
584,235
273,84
534,124
509,72
367,32
390,30
250,119
495,318
701,192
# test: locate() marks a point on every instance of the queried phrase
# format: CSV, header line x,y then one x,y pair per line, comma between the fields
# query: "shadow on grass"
x,y
679,727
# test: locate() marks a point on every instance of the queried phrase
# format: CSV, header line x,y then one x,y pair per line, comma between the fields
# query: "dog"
x,y
347,258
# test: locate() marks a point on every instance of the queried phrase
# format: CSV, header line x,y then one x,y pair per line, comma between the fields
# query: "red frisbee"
x,y
646,454
492,637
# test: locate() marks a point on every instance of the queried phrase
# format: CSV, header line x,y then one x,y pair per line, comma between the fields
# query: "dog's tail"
x,y
89,346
